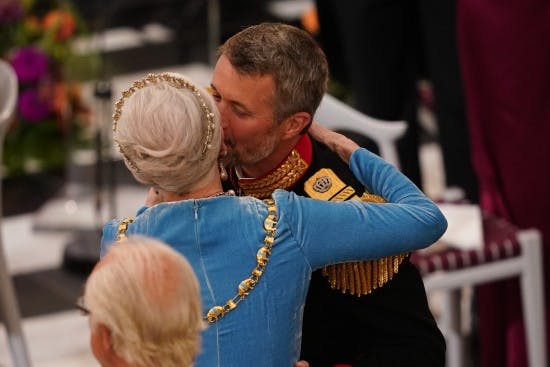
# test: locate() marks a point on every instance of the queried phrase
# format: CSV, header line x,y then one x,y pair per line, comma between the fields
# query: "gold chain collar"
x,y
122,228
262,257
245,286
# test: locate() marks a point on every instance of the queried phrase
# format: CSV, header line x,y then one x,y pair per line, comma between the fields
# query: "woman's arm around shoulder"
x,y
356,230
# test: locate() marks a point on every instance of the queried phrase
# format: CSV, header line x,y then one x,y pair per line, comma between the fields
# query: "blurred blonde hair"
x,y
148,296
161,130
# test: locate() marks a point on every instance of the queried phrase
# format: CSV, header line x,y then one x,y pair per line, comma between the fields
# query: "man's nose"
x,y
223,116
223,123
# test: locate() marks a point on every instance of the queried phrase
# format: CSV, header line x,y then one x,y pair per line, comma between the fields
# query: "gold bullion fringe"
x,y
362,277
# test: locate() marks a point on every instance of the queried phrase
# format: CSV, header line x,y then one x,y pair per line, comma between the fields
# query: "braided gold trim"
x,y
286,175
262,257
362,277
175,82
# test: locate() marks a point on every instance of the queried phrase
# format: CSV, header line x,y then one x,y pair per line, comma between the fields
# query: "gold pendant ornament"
x,y
223,171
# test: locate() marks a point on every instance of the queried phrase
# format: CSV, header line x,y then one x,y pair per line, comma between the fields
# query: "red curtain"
x,y
504,50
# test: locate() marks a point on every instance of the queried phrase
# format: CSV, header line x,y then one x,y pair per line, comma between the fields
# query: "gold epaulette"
x,y
362,277
359,277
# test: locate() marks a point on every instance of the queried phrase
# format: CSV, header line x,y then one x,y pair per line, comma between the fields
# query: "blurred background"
x,y
62,179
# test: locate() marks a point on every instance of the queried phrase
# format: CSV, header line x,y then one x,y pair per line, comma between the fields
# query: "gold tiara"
x,y
175,82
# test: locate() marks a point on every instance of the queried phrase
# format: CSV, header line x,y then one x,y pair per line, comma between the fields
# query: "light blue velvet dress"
x,y
220,237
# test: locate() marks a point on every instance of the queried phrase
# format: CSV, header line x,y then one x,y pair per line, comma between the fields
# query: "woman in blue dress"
x,y
253,258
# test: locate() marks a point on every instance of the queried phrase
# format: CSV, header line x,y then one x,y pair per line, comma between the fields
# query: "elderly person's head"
x,y
168,130
144,306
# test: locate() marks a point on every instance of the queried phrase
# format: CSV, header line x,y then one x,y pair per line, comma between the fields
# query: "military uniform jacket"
x,y
391,325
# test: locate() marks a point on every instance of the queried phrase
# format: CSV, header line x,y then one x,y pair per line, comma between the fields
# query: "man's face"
x,y
245,105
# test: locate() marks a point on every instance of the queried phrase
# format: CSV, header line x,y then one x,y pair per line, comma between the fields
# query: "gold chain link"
x,y
245,286
122,228
262,257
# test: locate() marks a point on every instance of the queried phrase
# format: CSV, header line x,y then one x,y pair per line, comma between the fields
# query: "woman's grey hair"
x,y
148,296
298,65
168,131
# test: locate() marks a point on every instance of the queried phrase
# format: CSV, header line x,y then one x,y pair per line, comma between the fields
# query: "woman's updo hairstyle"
x,y
168,131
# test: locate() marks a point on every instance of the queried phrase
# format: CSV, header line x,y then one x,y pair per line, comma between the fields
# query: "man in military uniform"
x,y
268,82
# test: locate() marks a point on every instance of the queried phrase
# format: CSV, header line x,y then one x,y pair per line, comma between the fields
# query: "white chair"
x,y
337,115
506,263
8,301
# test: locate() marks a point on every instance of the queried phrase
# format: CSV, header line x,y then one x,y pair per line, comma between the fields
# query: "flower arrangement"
x,y
35,37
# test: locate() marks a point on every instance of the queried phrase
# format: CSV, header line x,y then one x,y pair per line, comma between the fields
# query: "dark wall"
x,y
187,18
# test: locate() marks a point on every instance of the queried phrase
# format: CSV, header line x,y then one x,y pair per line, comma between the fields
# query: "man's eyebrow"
x,y
212,89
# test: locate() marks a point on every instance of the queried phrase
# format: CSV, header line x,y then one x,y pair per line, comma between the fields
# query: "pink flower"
x,y
30,63
32,106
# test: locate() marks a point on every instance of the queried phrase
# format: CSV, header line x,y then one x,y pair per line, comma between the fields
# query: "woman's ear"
x,y
295,125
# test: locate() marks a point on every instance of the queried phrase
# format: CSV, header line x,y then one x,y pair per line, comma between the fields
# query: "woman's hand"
x,y
338,143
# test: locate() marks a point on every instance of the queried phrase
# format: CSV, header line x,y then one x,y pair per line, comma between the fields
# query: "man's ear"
x,y
294,125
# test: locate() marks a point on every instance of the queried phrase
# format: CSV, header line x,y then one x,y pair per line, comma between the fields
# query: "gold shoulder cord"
x,y
245,286
362,277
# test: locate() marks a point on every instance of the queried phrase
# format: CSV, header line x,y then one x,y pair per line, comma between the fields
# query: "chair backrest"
x,y
8,92
339,116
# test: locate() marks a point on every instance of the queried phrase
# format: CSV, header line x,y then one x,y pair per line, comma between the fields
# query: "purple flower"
x,y
10,11
30,63
32,106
